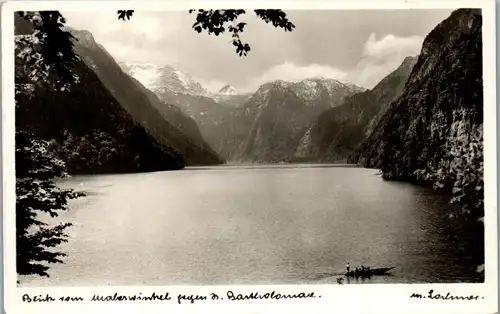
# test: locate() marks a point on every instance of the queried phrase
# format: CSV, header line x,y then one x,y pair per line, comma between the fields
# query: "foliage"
x,y
79,116
36,193
43,58
91,130
46,52
218,21
90,151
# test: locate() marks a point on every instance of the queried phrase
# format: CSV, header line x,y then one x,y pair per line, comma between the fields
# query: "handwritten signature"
x,y
447,296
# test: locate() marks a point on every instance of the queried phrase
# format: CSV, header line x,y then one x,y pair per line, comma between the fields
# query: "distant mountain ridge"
x,y
158,79
227,118
280,112
338,131
228,90
169,83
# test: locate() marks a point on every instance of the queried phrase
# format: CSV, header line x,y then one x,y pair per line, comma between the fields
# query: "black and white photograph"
x,y
251,147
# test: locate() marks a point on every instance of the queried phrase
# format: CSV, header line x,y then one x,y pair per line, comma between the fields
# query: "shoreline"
x,y
235,166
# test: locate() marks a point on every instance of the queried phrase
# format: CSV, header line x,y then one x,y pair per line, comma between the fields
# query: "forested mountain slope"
x,y
87,126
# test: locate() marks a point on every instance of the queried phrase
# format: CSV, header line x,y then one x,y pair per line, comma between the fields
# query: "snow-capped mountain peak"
x,y
146,73
228,90
309,90
162,78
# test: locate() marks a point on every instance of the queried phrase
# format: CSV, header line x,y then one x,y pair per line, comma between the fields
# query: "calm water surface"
x,y
255,225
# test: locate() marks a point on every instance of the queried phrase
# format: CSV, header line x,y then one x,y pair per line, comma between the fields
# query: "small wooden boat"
x,y
368,272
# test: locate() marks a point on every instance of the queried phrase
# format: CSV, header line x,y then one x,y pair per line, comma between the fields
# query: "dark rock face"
x,y
280,113
433,133
88,128
165,122
339,131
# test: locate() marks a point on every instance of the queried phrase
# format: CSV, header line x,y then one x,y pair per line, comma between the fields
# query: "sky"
x,y
358,46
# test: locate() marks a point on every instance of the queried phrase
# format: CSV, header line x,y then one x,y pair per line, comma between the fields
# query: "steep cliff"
x,y
338,131
433,133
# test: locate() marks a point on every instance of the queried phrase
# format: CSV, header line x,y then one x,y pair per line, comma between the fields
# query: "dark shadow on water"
x,y
270,166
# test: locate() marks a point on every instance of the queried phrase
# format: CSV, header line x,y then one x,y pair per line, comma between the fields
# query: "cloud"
x,y
289,71
133,54
357,46
390,45
136,40
382,56
105,26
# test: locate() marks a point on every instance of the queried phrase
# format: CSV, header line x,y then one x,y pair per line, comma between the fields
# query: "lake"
x,y
284,224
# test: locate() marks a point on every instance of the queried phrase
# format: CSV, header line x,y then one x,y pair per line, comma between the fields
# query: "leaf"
x,y
122,14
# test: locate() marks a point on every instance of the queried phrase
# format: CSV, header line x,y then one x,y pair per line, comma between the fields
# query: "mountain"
x,y
213,119
176,89
226,118
229,97
433,132
166,123
280,113
338,131
162,79
228,90
86,126
232,101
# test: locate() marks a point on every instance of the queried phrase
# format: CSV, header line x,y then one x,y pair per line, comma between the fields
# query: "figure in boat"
x,y
348,266
362,271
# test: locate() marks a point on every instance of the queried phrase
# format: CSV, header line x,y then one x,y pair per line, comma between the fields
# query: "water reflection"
x,y
258,226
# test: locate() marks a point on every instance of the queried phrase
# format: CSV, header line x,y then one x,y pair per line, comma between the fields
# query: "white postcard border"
x,y
388,298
